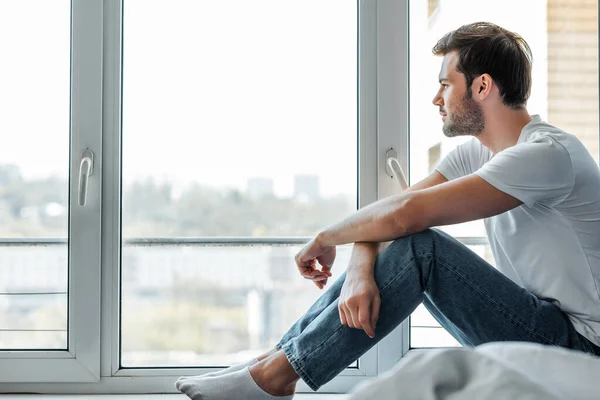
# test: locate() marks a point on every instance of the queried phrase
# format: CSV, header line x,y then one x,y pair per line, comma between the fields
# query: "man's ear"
x,y
482,86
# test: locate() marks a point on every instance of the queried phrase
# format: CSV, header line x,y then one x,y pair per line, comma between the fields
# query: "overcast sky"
x,y
213,91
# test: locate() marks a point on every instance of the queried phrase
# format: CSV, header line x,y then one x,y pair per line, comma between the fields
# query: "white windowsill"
x,y
303,396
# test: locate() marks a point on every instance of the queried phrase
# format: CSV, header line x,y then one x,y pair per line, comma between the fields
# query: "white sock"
x,y
238,385
229,370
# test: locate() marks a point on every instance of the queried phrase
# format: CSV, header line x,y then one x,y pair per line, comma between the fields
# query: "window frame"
x,y
393,129
161,379
81,361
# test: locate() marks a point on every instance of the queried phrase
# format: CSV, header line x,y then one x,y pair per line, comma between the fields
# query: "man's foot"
x,y
238,385
225,371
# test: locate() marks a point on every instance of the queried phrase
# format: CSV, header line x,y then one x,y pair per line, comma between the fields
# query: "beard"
x,y
466,120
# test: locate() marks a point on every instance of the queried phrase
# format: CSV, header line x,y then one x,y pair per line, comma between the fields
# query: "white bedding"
x,y
502,370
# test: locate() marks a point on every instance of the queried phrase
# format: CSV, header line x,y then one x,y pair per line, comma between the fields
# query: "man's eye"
x,y
444,85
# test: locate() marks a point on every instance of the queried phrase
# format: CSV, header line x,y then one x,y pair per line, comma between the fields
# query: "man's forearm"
x,y
382,221
363,257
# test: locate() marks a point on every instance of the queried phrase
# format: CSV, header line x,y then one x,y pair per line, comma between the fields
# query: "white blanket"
x,y
502,370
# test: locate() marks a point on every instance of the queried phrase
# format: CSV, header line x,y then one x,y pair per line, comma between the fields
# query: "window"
x,y
207,142
50,224
563,36
236,136
34,182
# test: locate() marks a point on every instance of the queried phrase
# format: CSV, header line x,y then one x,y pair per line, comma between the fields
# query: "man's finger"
x,y
315,277
312,273
365,318
315,272
342,316
355,320
349,319
327,271
347,316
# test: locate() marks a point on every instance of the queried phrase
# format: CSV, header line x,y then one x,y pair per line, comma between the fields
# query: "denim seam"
x,y
295,363
395,278
498,305
464,335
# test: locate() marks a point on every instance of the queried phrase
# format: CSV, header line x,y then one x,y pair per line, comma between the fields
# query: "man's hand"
x,y
359,302
307,258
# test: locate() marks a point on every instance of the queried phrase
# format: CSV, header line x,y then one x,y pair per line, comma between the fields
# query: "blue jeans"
x,y
468,297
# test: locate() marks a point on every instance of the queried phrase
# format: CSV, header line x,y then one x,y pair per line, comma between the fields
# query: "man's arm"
x,y
364,253
465,199
434,179
359,299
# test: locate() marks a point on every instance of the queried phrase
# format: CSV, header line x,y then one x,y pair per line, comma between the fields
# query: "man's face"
x,y
461,114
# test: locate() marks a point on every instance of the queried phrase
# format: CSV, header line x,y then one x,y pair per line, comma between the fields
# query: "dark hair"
x,y
487,48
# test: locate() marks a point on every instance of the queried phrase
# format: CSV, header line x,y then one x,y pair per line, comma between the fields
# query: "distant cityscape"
x,y
245,297
306,187
182,305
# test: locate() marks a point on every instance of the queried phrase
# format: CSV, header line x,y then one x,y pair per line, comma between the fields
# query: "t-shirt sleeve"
x,y
459,162
536,171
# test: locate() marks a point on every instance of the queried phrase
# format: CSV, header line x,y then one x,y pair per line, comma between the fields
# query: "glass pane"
x,y
234,125
563,36
210,306
34,131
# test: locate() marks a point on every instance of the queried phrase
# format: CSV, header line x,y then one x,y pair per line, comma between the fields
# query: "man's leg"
x,y
328,297
474,299
326,300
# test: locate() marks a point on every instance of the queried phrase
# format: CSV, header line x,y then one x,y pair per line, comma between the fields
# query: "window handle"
x,y
86,168
393,168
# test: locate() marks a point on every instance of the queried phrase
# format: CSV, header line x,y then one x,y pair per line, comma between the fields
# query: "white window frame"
x,y
382,123
161,379
81,361
393,127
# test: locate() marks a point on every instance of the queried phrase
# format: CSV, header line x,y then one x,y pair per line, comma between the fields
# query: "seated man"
x,y
538,190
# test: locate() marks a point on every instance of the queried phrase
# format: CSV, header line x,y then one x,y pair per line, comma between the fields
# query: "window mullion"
x,y
392,130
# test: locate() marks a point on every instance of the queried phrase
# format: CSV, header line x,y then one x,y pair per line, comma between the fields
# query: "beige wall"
x,y
573,69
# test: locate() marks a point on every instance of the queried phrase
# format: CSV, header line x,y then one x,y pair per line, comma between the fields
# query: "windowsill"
x,y
303,396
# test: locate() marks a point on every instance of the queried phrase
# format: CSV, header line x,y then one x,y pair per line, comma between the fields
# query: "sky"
x,y
210,93
219,92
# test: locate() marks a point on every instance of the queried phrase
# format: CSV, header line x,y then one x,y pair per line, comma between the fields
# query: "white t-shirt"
x,y
550,245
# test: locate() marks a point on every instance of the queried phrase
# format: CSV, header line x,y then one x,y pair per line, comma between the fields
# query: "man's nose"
x,y
438,100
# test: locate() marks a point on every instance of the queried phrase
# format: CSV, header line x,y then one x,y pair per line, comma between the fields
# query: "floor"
x,y
148,396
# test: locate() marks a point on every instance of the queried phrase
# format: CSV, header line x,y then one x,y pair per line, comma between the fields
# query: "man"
x,y
537,188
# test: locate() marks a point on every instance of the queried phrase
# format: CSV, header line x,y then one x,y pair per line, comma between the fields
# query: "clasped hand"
x,y
307,258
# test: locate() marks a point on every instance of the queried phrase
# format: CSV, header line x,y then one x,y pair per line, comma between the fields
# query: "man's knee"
x,y
423,244
414,251
418,243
